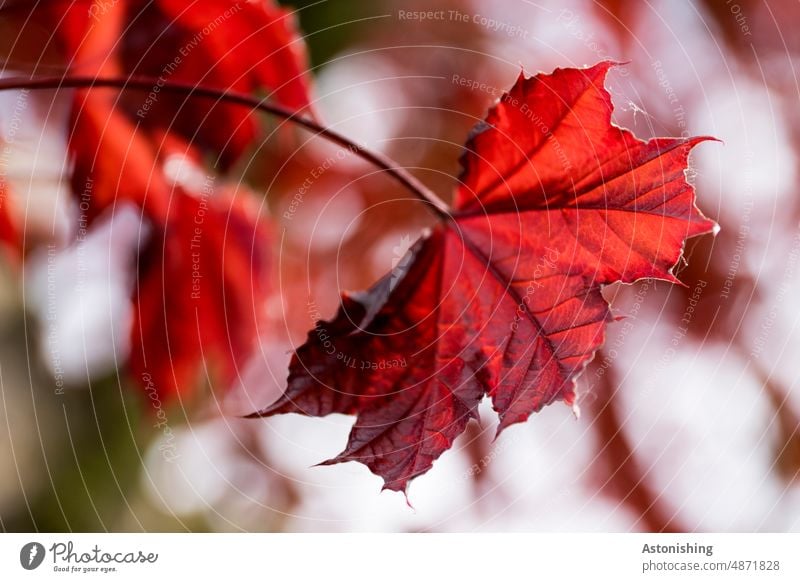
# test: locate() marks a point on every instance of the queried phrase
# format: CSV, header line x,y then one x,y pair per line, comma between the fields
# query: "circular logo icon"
x,y
31,555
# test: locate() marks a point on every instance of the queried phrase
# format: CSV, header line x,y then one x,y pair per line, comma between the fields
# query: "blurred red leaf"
x,y
239,46
246,47
115,161
503,299
9,233
201,285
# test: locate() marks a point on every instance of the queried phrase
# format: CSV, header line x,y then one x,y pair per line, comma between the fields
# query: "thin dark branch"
x,y
147,84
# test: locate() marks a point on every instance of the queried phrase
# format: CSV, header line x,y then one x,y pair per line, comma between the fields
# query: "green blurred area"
x,y
331,25
79,466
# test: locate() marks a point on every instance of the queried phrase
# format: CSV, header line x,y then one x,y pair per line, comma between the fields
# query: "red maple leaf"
x,y
503,297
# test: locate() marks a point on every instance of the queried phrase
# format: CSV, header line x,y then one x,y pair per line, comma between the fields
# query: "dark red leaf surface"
x,y
504,299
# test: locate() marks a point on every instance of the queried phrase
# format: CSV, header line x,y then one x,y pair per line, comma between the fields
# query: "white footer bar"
x,y
402,557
